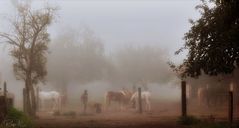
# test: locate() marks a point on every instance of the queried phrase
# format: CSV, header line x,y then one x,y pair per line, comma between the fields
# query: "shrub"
x,y
188,120
212,125
16,119
70,113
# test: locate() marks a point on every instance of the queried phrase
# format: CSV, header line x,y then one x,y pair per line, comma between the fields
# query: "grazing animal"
x,y
95,107
120,97
52,96
145,97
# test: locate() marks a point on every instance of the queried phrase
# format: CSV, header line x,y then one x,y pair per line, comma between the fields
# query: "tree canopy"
x,y
76,56
141,64
213,40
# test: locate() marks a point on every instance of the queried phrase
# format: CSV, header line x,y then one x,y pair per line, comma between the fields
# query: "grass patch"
x,y
212,125
188,120
70,114
193,122
16,119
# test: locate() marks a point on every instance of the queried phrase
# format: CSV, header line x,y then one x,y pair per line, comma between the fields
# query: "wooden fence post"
x,y
3,109
184,100
230,107
5,94
37,99
24,100
140,100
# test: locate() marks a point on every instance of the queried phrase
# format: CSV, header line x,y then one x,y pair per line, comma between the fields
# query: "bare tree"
x,y
29,43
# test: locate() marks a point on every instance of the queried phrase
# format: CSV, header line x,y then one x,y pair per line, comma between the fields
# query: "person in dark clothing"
x,y
84,100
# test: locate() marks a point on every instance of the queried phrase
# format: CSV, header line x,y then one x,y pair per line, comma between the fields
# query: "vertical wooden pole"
x,y
184,100
37,99
24,100
5,89
140,100
5,94
230,111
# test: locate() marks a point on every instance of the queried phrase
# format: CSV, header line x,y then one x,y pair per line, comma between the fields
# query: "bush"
x,y
212,125
197,123
188,120
70,114
16,119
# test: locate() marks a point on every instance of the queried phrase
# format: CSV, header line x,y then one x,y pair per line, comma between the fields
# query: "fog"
x,y
108,45
77,61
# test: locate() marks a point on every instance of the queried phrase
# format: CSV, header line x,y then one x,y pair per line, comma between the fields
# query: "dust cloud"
x,y
77,60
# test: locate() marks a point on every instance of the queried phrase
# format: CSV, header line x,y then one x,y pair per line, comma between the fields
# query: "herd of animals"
x,y
129,99
123,99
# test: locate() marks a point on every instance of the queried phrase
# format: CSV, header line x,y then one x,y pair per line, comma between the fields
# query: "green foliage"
x,y
188,120
213,40
193,122
212,125
69,113
16,119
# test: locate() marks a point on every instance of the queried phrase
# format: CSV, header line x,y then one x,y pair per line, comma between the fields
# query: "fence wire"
x,y
215,106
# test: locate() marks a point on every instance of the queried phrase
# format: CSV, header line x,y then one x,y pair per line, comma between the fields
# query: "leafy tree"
x,y
141,65
29,44
213,40
76,56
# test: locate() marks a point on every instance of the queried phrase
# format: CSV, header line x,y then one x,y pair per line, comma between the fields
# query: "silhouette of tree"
x,y
212,41
29,43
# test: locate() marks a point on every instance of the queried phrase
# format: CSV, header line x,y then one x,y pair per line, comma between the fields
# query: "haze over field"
x,y
108,45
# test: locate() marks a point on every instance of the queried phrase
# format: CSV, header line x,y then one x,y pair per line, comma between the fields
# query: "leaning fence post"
x,y
183,98
140,100
230,111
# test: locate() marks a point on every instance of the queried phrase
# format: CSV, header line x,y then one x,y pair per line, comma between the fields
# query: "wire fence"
x,y
215,106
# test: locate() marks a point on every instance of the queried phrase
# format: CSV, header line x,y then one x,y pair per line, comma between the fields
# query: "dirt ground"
x,y
116,120
159,117
163,115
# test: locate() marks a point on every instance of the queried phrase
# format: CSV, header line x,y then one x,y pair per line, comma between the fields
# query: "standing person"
x,y
84,100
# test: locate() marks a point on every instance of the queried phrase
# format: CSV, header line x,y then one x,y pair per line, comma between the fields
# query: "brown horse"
x,y
120,97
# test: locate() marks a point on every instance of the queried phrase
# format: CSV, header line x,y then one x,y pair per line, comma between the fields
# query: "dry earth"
x,y
116,120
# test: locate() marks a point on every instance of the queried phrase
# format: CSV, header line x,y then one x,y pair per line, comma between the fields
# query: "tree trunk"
x,y
28,103
33,100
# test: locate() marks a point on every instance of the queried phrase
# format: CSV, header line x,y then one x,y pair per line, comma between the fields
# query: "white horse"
x,y
145,97
52,96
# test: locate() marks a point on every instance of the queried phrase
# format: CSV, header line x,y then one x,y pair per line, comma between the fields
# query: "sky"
x,y
118,23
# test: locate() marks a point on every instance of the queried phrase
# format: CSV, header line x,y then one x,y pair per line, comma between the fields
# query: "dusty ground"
x,y
116,120
159,117
163,115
